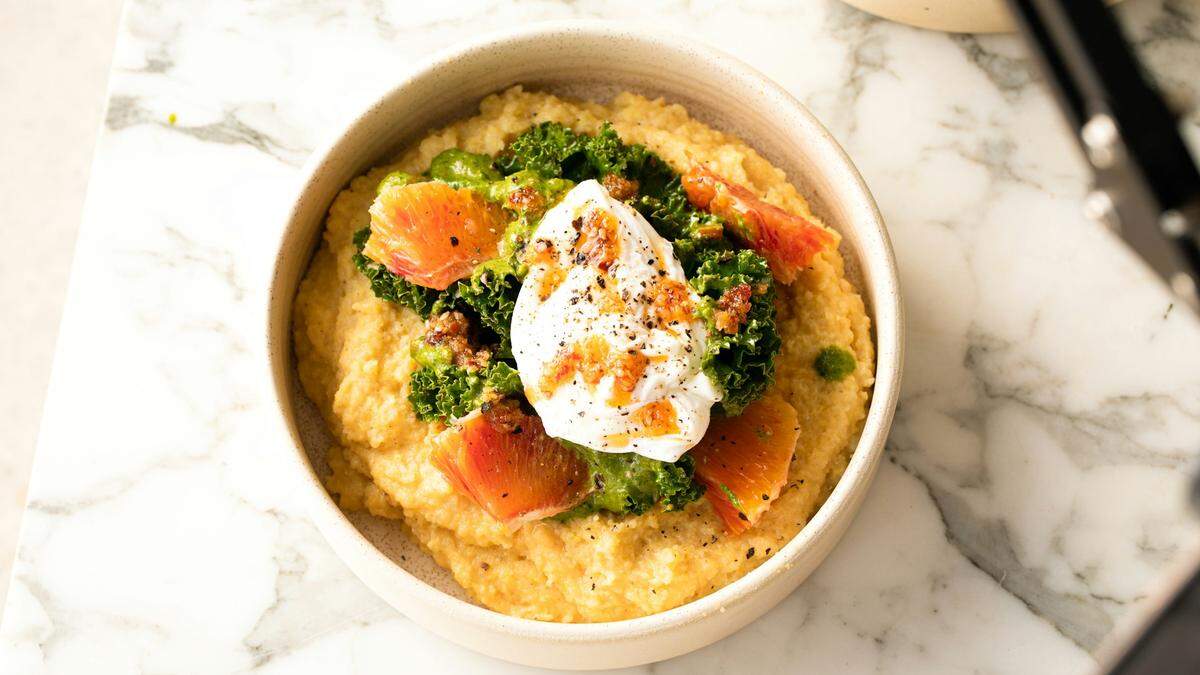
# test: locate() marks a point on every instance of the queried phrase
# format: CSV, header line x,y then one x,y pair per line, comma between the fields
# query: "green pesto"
x,y
834,363
431,356
551,189
460,168
396,179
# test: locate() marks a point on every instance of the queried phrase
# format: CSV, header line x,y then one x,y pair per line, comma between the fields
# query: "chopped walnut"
x,y
525,199
453,330
732,308
619,188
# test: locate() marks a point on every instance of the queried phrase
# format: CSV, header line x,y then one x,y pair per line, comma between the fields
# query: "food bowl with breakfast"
x,y
588,340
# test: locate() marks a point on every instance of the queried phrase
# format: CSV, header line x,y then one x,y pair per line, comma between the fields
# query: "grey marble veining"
x,y
1037,473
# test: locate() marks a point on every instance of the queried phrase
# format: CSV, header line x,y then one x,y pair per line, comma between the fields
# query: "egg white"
x,y
570,314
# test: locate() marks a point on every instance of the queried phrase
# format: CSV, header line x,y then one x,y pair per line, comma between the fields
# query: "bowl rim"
x,y
887,326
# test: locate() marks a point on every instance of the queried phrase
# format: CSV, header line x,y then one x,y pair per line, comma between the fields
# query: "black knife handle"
x,y
1146,179
1171,643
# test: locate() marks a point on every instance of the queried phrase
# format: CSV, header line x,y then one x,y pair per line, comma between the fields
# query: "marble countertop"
x,y
1036,480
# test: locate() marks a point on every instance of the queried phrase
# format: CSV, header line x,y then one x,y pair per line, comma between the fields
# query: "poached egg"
x,y
606,332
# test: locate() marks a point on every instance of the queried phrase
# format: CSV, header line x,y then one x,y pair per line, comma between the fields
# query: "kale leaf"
x,y
503,379
630,483
606,154
742,364
554,151
443,391
489,295
689,229
549,148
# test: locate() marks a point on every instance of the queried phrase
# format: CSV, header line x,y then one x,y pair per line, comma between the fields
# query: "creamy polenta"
x,y
354,362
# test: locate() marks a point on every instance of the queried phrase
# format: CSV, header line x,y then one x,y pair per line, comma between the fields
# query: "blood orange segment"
x,y
743,461
503,460
432,234
788,241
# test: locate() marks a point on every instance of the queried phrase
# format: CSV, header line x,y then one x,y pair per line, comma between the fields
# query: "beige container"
x,y
587,59
954,16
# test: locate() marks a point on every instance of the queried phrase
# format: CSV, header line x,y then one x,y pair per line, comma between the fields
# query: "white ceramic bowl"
x,y
591,60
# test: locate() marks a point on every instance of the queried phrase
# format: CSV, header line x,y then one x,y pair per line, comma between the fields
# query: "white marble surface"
x,y
1037,472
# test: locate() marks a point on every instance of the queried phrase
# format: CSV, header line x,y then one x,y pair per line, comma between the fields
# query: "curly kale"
x,y
554,151
630,483
669,211
440,390
607,154
503,379
489,295
690,230
742,364
549,148
443,393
